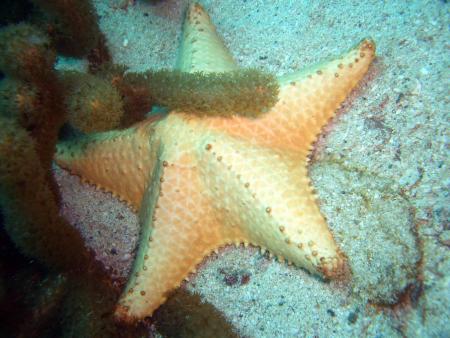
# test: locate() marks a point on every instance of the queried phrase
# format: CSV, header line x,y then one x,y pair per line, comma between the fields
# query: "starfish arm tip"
x,y
336,268
121,314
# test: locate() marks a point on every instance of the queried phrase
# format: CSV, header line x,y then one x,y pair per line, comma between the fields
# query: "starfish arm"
x,y
307,100
267,194
201,48
115,161
178,229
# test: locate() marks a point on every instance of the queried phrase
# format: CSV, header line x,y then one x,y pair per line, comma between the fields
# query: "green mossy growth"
x,y
76,31
99,55
32,297
19,100
25,52
43,298
134,89
25,56
88,312
94,105
137,97
184,315
30,211
245,92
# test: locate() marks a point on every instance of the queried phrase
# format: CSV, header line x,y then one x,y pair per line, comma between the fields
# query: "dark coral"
x,y
74,27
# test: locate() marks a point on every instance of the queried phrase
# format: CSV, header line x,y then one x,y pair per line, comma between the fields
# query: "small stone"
x,y
125,257
444,237
245,279
352,317
230,279
424,71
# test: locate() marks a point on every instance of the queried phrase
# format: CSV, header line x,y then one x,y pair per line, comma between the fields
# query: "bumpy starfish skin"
x,y
204,182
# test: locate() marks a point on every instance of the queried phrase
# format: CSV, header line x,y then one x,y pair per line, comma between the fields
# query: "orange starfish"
x,y
200,183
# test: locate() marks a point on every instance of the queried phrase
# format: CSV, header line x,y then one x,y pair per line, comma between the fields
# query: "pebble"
x,y
444,237
125,257
424,71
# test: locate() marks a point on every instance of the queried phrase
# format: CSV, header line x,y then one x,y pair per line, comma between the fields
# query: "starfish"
x,y
200,183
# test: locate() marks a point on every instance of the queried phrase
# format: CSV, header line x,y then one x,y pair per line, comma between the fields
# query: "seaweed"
x,y
93,103
248,92
74,27
29,197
